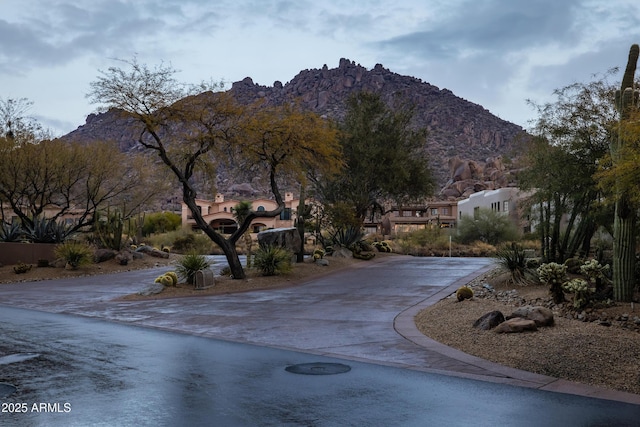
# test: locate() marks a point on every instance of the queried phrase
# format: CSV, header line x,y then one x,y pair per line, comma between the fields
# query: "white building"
x,y
503,200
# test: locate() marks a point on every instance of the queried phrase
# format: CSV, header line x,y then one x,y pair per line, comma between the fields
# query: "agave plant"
x,y
43,230
189,264
11,232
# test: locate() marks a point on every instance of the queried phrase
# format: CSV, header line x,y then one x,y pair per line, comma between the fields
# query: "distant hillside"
x,y
456,127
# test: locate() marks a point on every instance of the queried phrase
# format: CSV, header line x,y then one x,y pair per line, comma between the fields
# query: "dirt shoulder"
x,y
598,353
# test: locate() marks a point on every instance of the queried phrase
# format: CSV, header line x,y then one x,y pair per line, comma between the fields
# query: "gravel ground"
x,y
602,352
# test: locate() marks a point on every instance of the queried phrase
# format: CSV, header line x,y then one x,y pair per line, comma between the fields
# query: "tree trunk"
x,y
300,224
624,252
235,266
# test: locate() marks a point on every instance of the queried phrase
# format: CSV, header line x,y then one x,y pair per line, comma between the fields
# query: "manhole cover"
x,y
6,389
318,368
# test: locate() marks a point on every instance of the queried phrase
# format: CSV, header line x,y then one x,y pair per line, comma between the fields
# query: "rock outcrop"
x,y
456,128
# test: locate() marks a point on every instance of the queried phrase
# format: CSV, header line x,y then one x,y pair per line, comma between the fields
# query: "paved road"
x,y
360,315
108,374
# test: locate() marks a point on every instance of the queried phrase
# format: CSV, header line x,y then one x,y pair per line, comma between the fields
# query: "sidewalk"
x,y
364,313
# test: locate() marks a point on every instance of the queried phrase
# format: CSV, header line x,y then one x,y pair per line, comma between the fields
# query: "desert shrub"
x,y
489,227
512,258
189,264
182,242
554,275
272,260
75,253
463,293
160,222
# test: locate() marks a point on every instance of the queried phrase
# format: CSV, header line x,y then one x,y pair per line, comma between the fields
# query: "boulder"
x,y
489,320
152,251
102,255
542,316
514,325
287,238
342,253
322,261
152,289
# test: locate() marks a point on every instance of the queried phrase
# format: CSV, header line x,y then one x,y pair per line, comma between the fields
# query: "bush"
x,y
160,222
489,227
189,264
271,260
75,253
183,242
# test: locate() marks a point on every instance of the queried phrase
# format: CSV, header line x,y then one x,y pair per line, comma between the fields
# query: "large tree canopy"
x,y
385,159
572,138
192,130
41,176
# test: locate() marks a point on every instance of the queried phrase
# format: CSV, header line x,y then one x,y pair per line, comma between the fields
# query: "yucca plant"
x,y
75,253
189,264
512,258
272,260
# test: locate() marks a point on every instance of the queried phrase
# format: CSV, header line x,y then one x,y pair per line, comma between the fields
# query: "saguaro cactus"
x,y
624,247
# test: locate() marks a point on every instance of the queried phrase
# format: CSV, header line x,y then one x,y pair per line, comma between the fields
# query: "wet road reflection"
x,y
85,372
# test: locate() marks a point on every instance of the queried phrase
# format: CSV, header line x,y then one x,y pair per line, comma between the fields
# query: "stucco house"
x,y
219,213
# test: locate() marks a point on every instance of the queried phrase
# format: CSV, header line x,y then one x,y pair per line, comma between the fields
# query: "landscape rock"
x,y
152,289
342,253
152,251
489,320
322,261
541,315
515,325
102,255
456,127
286,238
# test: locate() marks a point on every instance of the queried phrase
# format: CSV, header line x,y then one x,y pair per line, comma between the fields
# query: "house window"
x,y
260,208
505,206
445,211
406,213
285,215
434,211
476,212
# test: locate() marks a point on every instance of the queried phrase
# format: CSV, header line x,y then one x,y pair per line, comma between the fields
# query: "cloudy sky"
x,y
496,53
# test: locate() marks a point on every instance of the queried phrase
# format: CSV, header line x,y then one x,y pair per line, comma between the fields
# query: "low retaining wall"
x,y
29,253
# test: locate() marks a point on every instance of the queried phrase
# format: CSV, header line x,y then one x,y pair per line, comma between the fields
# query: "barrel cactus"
x,y
464,293
174,277
164,280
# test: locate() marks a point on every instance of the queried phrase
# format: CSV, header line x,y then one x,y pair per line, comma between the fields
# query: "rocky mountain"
x,y
456,128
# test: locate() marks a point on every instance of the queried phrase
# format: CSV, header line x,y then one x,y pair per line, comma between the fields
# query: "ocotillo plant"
x,y
625,214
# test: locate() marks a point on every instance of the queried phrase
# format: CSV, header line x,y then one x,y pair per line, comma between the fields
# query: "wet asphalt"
x,y
221,360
